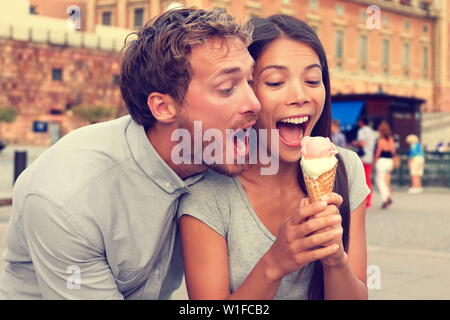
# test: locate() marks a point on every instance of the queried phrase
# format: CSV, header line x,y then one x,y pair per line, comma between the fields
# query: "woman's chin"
x,y
290,156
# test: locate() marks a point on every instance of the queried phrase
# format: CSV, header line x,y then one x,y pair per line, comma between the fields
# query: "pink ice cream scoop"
x,y
317,147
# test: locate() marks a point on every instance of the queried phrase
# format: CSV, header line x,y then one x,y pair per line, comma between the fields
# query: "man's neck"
x,y
159,137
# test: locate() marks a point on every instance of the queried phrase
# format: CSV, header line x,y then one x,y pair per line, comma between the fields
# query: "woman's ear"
x,y
162,106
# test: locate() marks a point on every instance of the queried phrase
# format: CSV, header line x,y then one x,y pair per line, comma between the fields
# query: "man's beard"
x,y
231,170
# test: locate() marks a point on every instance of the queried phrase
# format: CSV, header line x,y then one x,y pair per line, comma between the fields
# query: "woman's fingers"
x,y
333,200
308,210
317,240
317,254
313,225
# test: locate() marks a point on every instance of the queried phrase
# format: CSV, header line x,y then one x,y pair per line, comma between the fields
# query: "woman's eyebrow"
x,y
274,67
314,65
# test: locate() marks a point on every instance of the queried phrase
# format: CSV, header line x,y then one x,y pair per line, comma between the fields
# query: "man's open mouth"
x,y
240,140
292,129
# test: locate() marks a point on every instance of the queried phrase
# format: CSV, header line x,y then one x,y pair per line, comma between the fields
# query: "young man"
x,y
94,216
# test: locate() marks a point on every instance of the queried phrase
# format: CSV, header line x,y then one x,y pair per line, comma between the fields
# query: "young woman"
x,y
257,236
384,163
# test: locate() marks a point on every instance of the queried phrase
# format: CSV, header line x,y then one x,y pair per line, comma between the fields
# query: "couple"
x,y
95,217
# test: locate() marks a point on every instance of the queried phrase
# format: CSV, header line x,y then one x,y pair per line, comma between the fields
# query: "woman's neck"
x,y
285,177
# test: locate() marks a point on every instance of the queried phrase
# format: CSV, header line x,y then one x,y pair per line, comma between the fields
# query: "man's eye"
x,y
274,84
227,91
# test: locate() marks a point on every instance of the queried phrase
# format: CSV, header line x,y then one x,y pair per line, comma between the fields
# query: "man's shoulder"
x,y
75,160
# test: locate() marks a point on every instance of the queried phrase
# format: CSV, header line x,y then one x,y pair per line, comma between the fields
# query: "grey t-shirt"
x,y
221,203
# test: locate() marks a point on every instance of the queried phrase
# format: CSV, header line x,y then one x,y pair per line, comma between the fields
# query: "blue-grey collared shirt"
x,y
94,217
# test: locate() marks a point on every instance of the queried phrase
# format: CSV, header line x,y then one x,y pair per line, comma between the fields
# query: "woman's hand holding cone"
x,y
333,201
302,239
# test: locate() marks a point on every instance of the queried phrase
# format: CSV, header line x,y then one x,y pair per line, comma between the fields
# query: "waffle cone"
x,y
321,186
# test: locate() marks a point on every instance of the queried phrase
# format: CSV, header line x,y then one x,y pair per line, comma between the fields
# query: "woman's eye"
x,y
251,82
274,84
314,83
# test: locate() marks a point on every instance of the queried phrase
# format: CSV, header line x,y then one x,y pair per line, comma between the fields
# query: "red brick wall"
x,y
26,84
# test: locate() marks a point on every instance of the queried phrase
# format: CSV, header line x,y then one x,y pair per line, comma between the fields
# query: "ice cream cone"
x,y
321,186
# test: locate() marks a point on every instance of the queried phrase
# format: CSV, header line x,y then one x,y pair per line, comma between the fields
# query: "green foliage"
x,y
7,114
94,114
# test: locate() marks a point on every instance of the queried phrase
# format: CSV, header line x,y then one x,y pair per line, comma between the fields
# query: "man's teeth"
x,y
296,120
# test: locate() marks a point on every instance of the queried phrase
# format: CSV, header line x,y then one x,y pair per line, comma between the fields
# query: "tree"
x,y
7,114
94,114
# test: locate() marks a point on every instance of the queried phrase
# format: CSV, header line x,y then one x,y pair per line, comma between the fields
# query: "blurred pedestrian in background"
x,y
384,163
366,144
416,163
337,136
441,147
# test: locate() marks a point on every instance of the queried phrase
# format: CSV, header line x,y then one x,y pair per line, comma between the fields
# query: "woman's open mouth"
x,y
292,130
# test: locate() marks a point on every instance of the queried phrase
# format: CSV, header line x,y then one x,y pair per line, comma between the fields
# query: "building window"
x,y
425,28
34,9
405,58
363,51
425,62
314,5
340,10
385,55
362,15
57,74
406,25
138,17
339,44
115,79
425,5
286,2
386,20
106,18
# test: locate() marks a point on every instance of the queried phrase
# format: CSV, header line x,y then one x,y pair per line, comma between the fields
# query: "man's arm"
x,y
67,264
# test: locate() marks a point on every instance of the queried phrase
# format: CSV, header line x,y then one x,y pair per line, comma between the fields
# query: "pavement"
x,y
408,244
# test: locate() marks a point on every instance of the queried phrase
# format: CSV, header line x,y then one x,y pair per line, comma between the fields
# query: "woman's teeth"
x,y
296,120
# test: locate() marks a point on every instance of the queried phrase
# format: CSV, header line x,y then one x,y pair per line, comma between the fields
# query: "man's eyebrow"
x,y
315,65
228,71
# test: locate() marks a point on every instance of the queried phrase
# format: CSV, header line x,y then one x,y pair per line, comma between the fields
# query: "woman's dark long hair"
x,y
267,30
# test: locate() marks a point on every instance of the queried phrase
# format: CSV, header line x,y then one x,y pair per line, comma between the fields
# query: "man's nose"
x,y
251,103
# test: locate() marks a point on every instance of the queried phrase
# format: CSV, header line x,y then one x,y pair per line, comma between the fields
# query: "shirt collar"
x,y
152,164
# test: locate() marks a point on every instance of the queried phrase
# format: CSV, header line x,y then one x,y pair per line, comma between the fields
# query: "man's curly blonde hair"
x,y
157,60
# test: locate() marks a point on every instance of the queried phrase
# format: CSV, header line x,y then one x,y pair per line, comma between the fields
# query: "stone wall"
x,y
88,77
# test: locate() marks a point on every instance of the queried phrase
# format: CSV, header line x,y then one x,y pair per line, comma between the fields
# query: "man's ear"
x,y
162,106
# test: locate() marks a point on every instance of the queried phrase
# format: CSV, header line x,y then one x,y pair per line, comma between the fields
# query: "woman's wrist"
x,y
340,262
271,270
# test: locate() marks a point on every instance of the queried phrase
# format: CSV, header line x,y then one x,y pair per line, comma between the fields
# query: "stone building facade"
x,y
43,82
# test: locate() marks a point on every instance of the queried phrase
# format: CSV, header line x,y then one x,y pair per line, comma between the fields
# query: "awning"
x,y
347,112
